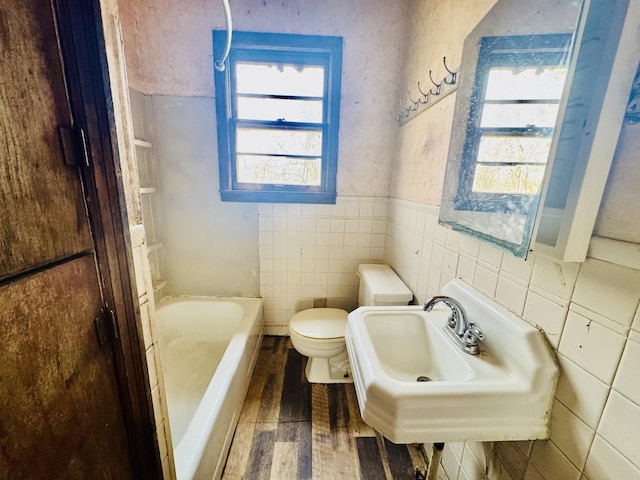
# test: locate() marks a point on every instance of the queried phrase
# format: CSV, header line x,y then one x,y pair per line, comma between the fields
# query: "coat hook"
x,y
413,101
404,108
425,96
452,75
437,92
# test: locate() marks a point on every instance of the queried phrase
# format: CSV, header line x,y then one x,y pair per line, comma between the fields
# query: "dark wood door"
x,y
61,415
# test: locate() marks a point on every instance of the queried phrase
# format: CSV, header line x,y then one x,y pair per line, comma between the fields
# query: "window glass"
x,y
267,79
513,149
273,141
510,179
277,108
263,169
519,115
519,83
530,83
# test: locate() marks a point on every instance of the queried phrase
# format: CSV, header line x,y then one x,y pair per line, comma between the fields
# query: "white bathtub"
x,y
208,348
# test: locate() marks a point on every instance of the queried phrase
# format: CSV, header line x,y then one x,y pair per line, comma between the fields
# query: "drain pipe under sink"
x,y
436,454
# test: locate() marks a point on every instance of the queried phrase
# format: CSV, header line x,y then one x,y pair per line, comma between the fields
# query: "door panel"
x,y
61,415
43,215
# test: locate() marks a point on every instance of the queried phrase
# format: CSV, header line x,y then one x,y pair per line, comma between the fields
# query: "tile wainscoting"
x,y
311,252
590,314
588,311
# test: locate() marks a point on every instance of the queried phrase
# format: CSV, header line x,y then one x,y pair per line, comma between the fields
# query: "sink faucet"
x,y
458,318
464,333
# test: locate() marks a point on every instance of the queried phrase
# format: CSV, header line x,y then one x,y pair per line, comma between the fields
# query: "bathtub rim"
x,y
189,452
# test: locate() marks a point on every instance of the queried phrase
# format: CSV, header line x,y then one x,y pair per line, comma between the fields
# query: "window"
x,y
277,107
514,107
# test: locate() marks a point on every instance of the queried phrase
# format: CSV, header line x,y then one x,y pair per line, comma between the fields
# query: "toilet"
x,y
318,333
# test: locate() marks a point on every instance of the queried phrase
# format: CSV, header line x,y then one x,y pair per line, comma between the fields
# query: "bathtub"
x,y
208,348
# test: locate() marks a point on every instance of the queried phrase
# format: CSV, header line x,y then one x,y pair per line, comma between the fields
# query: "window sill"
x,y
277,197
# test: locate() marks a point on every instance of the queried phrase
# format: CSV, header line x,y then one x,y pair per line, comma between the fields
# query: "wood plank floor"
x,y
291,429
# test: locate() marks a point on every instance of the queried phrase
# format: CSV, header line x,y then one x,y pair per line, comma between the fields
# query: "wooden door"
x,y
61,414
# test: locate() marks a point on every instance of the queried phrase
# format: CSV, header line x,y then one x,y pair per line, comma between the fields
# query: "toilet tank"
x,y
379,285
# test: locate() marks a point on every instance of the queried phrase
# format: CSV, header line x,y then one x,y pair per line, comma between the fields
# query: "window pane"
x,y
271,79
278,170
278,109
274,141
514,149
541,115
512,179
531,83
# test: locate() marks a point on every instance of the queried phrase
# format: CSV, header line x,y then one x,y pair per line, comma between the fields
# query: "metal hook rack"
x,y
433,95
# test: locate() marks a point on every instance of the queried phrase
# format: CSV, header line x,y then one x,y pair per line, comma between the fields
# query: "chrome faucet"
x,y
458,318
464,333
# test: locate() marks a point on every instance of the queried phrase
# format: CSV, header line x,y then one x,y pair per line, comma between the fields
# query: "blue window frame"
x,y
513,112
278,111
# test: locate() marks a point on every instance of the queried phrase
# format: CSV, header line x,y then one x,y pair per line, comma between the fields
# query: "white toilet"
x,y
318,333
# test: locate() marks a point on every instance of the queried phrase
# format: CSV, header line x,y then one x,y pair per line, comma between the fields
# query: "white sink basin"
x,y
414,384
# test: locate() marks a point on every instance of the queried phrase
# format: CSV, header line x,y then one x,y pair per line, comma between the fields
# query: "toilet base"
x,y
329,370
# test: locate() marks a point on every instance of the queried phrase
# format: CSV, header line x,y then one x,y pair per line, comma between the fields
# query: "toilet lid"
x,y
320,323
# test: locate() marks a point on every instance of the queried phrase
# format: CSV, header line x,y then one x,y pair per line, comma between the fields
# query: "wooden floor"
x,y
291,429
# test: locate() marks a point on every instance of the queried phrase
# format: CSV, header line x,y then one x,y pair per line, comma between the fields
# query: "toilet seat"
x,y
320,323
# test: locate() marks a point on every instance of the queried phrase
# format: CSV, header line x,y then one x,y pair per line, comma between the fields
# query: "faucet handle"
x,y
473,335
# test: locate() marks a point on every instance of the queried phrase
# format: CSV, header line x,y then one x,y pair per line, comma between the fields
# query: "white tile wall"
x,y
610,290
581,392
620,426
627,380
592,346
146,302
311,252
572,436
606,462
590,315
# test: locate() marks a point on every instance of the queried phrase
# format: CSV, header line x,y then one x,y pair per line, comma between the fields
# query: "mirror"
x,y
513,71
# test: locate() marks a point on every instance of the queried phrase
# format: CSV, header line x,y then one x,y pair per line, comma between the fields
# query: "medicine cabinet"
x,y
540,103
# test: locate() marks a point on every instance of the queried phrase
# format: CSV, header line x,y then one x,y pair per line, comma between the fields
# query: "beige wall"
x,y
618,216
435,29
169,52
211,246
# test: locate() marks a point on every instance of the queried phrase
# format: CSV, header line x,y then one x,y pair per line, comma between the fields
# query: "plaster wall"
x,y
618,215
435,29
169,52
211,246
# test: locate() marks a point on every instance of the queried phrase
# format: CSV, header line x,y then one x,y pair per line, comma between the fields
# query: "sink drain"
x,y
423,378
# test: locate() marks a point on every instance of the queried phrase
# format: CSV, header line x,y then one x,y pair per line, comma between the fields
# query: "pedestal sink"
x,y
414,384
